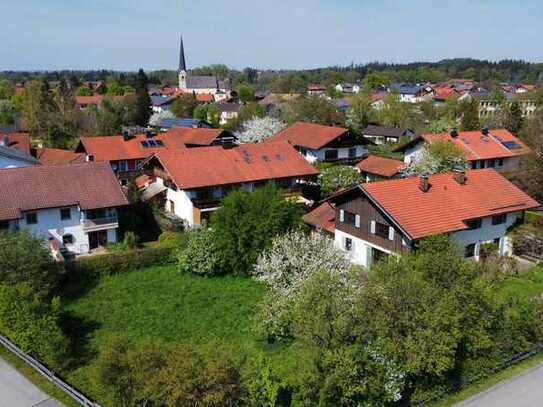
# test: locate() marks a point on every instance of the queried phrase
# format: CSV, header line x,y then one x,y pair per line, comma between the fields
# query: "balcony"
x,y
90,225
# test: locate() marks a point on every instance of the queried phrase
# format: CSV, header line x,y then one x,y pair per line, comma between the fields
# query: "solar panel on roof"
x,y
151,143
159,143
145,144
511,145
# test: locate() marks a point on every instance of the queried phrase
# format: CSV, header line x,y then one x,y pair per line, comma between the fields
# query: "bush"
x,y
24,258
131,241
33,324
199,256
333,178
121,262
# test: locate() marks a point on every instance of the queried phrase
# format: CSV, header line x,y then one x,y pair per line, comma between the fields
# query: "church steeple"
x,y
182,64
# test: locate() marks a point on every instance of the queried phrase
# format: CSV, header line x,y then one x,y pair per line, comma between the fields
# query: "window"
x,y
497,242
4,225
474,224
357,221
352,152
68,239
481,163
470,250
122,166
330,155
31,218
500,162
65,214
491,163
381,230
348,244
474,165
499,219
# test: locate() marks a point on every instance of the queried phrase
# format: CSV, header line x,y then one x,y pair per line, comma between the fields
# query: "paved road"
x,y
17,391
524,390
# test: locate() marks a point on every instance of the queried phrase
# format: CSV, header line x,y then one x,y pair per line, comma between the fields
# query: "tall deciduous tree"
x,y
313,109
361,113
184,105
36,107
470,118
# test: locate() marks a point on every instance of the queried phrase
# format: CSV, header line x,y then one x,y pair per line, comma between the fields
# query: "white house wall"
x,y
342,153
360,251
183,207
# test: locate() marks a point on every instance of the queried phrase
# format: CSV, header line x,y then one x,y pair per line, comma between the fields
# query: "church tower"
x,y
182,71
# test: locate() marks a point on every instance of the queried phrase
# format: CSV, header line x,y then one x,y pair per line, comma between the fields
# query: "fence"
x,y
48,374
513,360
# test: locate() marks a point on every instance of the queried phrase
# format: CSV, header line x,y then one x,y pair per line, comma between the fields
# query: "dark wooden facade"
x,y
357,203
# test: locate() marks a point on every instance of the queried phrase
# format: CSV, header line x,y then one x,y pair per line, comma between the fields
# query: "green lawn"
x,y
525,285
163,305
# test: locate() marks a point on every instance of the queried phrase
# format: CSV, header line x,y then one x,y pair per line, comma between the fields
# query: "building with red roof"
x,y
15,151
474,207
126,153
323,143
73,205
195,180
496,148
83,102
322,217
374,167
57,156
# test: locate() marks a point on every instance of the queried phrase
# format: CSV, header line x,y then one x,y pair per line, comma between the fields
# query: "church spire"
x,y
182,65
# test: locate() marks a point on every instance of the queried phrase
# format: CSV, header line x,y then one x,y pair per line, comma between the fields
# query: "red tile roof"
x,y
322,217
20,141
95,99
57,156
308,135
115,148
209,166
205,97
445,92
89,185
448,204
384,167
144,179
195,136
478,147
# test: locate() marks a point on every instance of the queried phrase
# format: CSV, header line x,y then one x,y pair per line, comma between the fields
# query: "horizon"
x,y
309,34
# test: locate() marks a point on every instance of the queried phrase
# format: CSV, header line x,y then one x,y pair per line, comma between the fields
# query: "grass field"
x,y
525,285
160,304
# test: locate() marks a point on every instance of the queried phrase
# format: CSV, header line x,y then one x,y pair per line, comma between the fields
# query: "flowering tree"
x,y
156,118
258,129
333,178
439,156
285,267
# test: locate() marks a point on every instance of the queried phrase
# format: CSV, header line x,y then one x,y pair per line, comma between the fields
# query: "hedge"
x,y
121,262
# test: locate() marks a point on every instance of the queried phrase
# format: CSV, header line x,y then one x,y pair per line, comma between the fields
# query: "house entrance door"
x,y
97,239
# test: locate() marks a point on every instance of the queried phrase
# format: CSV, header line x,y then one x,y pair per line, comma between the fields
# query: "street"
x,y
523,390
17,391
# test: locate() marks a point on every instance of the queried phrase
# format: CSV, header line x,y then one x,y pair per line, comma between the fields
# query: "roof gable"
x,y
308,135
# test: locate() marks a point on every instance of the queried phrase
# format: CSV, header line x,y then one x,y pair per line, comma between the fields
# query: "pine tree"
x,y
143,110
470,119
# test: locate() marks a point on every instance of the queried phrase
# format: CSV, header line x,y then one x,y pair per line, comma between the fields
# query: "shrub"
x,y
200,255
247,223
131,241
33,323
24,258
333,178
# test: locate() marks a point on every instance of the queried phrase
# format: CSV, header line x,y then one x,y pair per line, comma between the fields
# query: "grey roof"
x,y
385,131
405,88
186,123
182,64
161,100
204,82
228,107
17,154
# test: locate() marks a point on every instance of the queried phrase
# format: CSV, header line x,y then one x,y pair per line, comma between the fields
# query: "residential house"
x,y
15,151
377,99
162,103
127,152
322,217
195,180
374,168
316,90
496,148
489,106
384,134
84,102
409,92
168,123
443,93
346,87
316,142
377,219
73,207
57,156
227,111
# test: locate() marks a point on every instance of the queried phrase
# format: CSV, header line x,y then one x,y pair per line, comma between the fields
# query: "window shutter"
x,y
390,233
357,220
372,227
341,215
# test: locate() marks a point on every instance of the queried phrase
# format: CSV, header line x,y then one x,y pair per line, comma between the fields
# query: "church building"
x,y
199,84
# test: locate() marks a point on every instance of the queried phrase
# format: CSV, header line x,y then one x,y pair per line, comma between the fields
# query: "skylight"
x,y
152,143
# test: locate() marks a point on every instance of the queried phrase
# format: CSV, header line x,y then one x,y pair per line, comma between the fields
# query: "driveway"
x,y
523,390
17,391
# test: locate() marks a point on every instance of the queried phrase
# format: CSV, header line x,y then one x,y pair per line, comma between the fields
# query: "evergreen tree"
x,y
514,118
470,118
142,109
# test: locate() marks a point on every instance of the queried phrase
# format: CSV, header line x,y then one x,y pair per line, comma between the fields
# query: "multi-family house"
x,y
72,207
496,148
316,142
474,207
193,181
127,152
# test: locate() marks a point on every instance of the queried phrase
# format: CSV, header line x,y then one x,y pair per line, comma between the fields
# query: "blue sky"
x,y
127,34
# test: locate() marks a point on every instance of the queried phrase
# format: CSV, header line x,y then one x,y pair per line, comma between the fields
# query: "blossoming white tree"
x,y
156,118
258,129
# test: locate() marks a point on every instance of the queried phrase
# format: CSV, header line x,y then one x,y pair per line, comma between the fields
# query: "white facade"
x,y
342,153
360,250
71,232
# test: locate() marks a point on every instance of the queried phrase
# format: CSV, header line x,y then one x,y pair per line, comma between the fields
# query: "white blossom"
x,y
258,129
156,118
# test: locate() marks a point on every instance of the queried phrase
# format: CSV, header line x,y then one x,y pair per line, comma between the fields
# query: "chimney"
x,y
89,157
484,130
454,133
126,135
459,175
424,184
